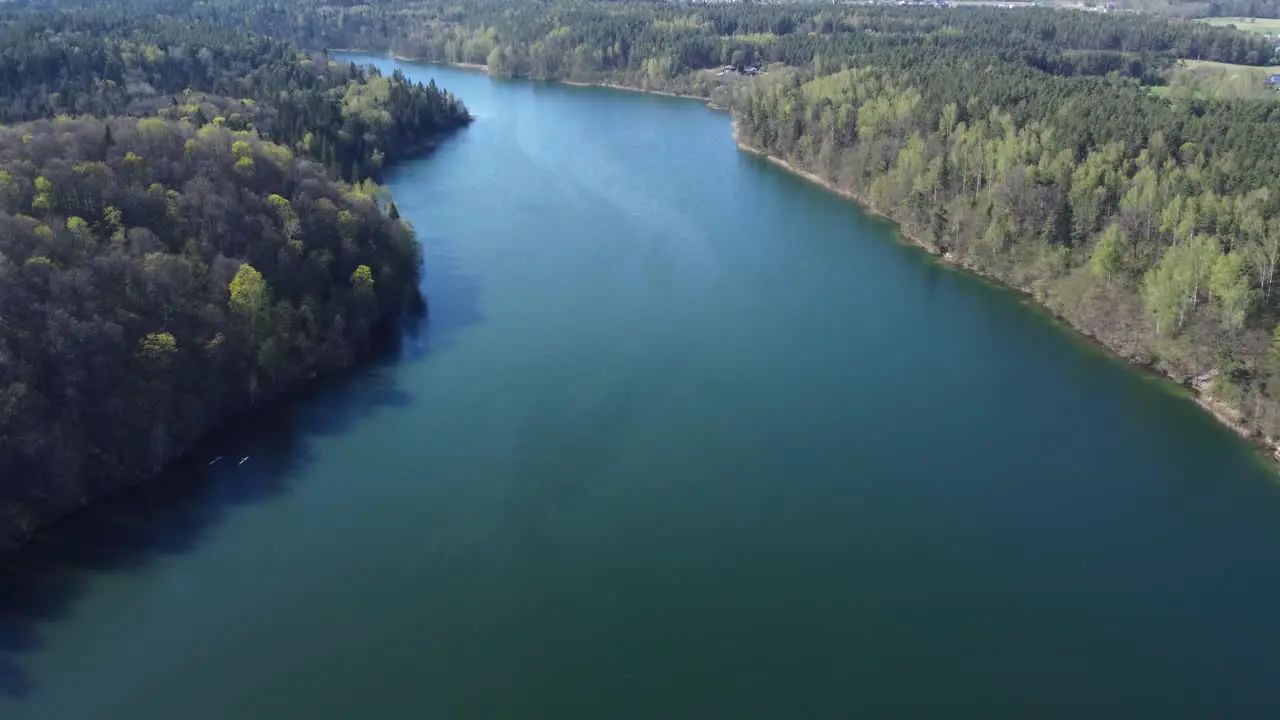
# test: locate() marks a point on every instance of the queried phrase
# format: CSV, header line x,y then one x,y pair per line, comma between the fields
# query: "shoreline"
x,y
1224,414
477,67
404,58
1221,412
627,88
386,336
474,67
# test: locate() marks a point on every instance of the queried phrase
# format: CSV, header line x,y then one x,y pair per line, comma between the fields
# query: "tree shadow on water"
x,y
176,512
452,300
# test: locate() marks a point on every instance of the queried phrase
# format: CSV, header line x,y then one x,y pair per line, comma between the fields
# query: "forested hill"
x,y
1042,148
177,243
103,64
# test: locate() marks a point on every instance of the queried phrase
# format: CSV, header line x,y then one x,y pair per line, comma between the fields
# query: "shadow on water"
x,y
173,515
452,304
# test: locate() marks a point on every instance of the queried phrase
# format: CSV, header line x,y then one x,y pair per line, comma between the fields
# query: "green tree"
x,y
289,223
250,301
158,347
362,280
1108,254
44,201
1230,289
1166,289
114,222
938,225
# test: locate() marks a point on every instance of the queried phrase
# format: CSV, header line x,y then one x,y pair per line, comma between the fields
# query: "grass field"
x,y
1205,79
1228,70
1261,26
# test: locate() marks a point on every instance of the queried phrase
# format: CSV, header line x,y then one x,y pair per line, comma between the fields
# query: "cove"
x,y
682,436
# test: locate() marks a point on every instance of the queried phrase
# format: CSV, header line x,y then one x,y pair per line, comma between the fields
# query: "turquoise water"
x,y
683,436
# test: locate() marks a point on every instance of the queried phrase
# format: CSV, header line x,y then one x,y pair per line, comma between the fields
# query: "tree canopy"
x,y
94,62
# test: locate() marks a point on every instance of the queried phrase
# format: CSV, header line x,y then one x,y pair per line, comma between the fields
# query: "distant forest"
x,y
1039,147
188,227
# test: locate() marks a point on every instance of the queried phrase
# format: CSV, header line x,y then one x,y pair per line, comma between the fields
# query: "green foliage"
x,y
1166,289
44,200
1172,287
151,127
354,120
1273,357
1229,285
157,347
362,280
250,295
1108,254
114,221
78,226
204,301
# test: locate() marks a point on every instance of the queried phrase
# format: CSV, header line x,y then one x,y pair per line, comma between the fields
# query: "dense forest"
x,y
658,43
1035,146
187,228
92,63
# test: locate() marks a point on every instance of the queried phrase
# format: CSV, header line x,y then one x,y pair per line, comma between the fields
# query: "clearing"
x,y
1222,81
1261,26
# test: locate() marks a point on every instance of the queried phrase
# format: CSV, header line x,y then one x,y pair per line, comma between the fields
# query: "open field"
x,y
1204,67
1261,26
1205,79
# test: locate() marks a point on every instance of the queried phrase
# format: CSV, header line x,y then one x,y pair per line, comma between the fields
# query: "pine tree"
x,y
938,225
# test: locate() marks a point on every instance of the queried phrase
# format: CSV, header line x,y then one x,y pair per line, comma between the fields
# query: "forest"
x,y
92,63
189,227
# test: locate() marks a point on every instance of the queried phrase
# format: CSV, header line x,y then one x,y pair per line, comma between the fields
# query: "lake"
x,y
682,436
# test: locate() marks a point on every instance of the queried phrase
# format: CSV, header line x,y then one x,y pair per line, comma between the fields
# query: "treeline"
x,y
177,242
96,63
583,40
600,39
